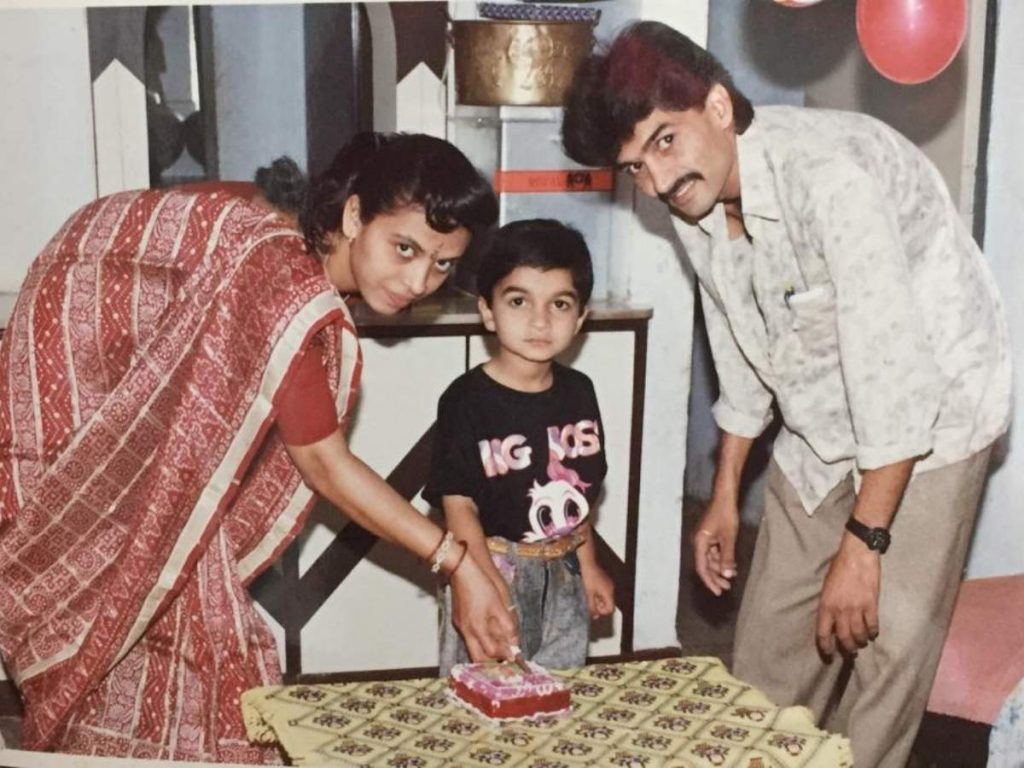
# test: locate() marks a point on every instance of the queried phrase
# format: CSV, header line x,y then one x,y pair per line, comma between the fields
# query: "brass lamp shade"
x,y
517,62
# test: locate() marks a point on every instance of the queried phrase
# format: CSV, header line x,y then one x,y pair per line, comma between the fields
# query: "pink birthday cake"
x,y
502,691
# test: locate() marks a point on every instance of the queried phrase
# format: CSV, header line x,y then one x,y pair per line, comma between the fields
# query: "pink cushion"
x,y
983,658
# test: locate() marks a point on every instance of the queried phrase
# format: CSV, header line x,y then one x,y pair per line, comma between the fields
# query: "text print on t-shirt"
x,y
559,505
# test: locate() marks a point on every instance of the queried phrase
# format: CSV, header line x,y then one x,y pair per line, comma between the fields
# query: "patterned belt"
x,y
549,549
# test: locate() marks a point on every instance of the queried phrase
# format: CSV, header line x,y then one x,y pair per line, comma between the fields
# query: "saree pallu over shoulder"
x,y
139,471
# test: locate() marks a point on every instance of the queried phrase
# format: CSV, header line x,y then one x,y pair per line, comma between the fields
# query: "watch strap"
x,y
876,539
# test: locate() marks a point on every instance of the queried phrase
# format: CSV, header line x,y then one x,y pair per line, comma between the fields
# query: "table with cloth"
x,y
682,712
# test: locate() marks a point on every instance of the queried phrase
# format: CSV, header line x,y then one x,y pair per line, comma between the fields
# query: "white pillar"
x,y
47,152
999,539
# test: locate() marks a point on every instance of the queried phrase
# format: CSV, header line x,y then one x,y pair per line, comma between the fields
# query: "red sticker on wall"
x,y
590,180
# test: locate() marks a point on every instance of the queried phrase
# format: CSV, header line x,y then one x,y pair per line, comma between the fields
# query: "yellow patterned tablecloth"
x,y
678,713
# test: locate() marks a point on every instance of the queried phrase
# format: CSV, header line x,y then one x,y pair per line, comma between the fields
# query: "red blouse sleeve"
x,y
307,414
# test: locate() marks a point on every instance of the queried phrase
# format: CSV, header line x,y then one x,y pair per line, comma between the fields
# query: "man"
x,y
837,281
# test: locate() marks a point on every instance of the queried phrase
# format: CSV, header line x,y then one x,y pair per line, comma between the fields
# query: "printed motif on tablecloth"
x,y
687,668
676,725
402,759
520,738
389,692
699,754
334,723
435,701
435,745
645,701
789,748
463,726
606,714
588,690
419,719
296,703
388,734
660,683
354,706
612,674
572,751
713,690
546,762
661,744
354,751
748,716
695,708
492,755
549,723
626,759
597,733
733,735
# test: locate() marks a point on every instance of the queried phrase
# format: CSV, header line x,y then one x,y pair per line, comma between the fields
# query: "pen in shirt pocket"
x,y
790,292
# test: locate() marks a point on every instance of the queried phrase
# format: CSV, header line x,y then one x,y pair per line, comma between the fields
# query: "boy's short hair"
x,y
539,243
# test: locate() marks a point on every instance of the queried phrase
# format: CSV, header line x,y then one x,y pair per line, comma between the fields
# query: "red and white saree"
x,y
142,484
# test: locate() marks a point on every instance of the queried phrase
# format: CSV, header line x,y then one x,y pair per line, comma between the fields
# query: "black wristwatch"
x,y
877,539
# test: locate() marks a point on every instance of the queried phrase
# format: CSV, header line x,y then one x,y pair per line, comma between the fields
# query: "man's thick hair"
x,y
648,65
539,243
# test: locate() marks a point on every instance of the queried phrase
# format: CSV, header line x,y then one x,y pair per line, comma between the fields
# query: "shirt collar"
x,y
757,178
757,188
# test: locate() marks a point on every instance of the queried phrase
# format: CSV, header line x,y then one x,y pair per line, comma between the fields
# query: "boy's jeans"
x,y
554,623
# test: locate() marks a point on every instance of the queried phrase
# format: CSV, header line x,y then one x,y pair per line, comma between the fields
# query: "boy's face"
x,y
687,159
535,313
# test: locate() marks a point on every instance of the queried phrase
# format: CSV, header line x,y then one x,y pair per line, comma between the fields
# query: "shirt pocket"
x,y
813,319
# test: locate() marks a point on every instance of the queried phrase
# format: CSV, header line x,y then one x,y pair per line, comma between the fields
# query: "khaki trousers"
x,y
879,699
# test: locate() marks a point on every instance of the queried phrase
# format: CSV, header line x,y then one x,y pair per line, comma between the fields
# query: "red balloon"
x,y
911,41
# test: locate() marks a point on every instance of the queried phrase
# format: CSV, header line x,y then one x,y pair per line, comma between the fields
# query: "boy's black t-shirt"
x,y
532,461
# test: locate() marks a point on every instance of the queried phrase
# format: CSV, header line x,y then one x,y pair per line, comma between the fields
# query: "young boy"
x,y
519,451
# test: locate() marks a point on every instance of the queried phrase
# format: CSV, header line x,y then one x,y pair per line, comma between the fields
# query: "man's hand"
x,y
848,608
600,591
714,546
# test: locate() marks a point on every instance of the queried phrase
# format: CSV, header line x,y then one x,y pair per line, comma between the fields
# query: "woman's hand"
x,y
481,614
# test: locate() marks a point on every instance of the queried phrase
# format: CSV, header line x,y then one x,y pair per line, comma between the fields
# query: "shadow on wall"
x,y
793,47
816,48
922,117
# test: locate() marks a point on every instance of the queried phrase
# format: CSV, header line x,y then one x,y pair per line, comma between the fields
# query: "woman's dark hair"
x,y
648,65
283,184
386,171
540,243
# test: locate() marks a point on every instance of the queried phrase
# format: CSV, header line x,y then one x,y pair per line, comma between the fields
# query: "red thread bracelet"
x,y
454,568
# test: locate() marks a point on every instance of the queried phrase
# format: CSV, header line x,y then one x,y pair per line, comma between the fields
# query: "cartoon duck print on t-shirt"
x,y
559,505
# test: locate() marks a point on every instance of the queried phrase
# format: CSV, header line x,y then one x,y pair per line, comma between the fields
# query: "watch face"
x,y
878,540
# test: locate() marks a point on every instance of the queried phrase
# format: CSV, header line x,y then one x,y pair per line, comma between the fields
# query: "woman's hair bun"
x,y
284,185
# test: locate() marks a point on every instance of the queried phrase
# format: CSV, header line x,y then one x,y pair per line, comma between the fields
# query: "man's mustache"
x,y
682,181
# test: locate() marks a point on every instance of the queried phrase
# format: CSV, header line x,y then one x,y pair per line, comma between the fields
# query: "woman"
x,y
176,366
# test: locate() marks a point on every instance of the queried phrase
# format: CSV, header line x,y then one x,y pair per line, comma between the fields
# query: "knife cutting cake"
x,y
502,691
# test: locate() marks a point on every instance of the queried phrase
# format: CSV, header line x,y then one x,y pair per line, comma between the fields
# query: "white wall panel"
x,y
384,615
47,148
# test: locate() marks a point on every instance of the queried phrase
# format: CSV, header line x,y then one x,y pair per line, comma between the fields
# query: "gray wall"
x,y
259,77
